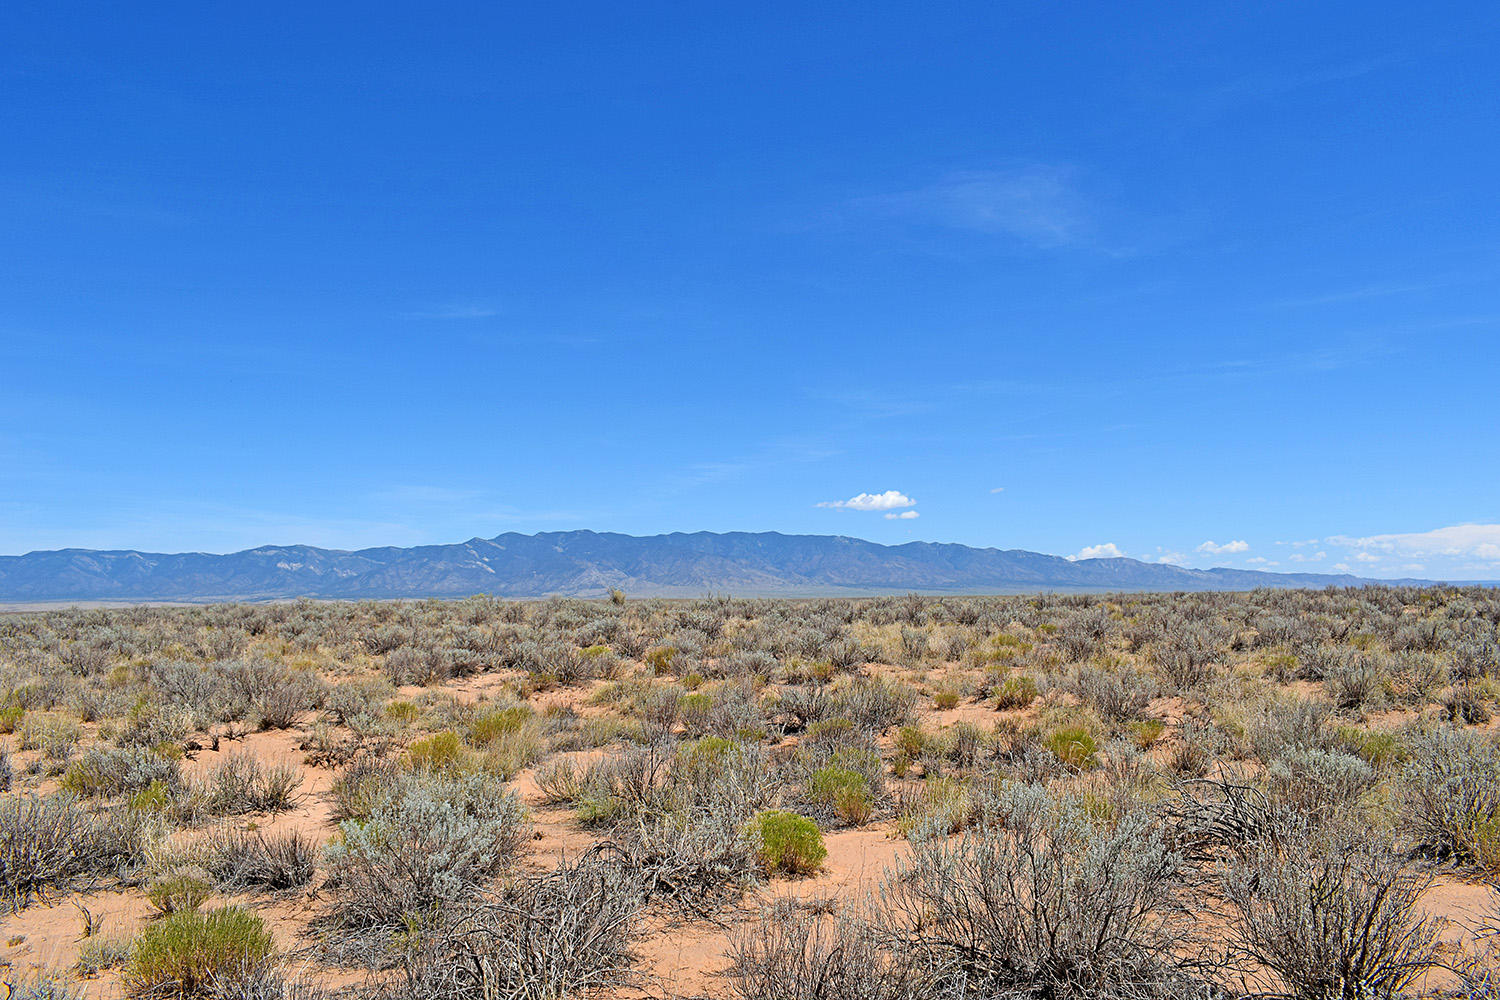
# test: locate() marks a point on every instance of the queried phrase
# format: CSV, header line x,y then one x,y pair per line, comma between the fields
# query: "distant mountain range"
x,y
589,563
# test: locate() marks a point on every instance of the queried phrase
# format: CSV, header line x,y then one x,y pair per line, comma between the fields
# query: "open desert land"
x,y
1276,793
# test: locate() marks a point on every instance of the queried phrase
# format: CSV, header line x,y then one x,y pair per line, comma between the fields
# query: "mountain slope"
x,y
588,563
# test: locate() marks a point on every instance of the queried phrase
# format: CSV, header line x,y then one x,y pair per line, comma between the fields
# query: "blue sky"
x,y
1187,282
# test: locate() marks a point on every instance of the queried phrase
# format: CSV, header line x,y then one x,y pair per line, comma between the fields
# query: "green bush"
x,y
1377,748
503,722
693,710
788,843
179,892
1481,842
844,791
659,659
191,954
1016,692
403,712
945,806
708,752
911,740
155,798
442,751
1145,732
1075,746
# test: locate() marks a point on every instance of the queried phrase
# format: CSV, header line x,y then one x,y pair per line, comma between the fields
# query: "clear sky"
x,y
1183,281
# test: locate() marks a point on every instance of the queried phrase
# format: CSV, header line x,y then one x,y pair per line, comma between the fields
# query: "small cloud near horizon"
x,y
1228,548
889,500
905,515
1105,550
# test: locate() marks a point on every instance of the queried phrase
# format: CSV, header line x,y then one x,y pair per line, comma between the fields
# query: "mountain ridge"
x,y
587,563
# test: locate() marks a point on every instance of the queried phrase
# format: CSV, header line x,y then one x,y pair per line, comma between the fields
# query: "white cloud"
x,y
1106,550
1262,561
889,500
1413,568
1318,556
1341,567
1170,558
905,515
1301,544
998,489
1474,541
1365,557
1227,548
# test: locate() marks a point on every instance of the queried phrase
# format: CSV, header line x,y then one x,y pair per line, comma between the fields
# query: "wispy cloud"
x,y
1037,204
456,311
704,473
425,494
778,453
1473,541
998,489
889,500
1228,548
905,515
1375,291
1210,102
1323,359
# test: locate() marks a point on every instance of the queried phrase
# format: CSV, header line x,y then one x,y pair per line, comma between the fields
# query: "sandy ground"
x,y
677,955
